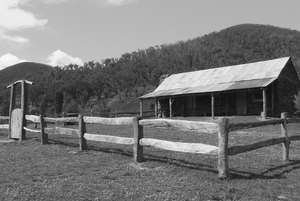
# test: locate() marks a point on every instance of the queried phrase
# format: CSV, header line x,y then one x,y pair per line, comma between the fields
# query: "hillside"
x,y
97,87
24,70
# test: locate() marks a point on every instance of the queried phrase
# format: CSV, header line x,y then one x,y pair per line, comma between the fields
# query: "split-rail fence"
x,y
222,127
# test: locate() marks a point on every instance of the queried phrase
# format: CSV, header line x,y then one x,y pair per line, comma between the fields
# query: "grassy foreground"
x,y
58,171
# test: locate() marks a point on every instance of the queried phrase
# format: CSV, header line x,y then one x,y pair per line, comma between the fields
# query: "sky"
x,y
60,32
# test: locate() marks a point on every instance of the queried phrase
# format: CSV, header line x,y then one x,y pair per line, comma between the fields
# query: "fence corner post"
x,y
44,136
137,135
82,130
223,131
284,133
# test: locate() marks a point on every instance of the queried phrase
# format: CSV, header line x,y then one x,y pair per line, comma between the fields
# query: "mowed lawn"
x,y
58,171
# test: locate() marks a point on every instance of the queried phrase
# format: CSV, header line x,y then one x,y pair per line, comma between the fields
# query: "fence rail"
x,y
222,128
205,127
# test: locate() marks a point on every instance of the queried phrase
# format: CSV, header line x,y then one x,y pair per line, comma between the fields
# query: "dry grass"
x,y
58,171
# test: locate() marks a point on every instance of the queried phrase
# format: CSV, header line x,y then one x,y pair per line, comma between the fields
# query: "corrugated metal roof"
x,y
244,76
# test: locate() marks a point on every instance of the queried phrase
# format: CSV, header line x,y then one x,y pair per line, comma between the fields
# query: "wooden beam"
x,y
82,130
33,118
184,125
61,119
108,121
23,107
249,147
273,98
44,136
170,107
284,133
155,108
141,107
11,106
158,108
223,131
108,139
137,135
195,148
212,106
245,125
264,112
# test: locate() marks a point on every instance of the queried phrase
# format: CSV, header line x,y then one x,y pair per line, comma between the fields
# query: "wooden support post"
x,y
11,106
82,130
212,106
264,112
273,99
284,133
141,107
155,108
23,107
44,136
223,131
158,108
137,135
170,107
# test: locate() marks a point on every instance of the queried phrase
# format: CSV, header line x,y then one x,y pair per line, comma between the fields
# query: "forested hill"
x,y
98,87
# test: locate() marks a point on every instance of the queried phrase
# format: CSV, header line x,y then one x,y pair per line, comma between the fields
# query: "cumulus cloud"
x,y
119,2
14,18
60,58
8,60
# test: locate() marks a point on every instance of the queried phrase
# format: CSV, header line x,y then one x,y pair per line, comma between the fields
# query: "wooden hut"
x,y
265,87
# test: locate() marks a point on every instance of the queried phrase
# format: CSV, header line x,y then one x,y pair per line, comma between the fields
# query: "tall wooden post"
x,y
170,107
155,108
212,106
223,171
23,107
11,106
284,133
158,108
82,130
44,136
264,112
137,135
141,107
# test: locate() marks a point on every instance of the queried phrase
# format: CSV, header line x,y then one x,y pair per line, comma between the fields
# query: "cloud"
x,y
8,60
54,1
14,18
60,58
17,39
119,2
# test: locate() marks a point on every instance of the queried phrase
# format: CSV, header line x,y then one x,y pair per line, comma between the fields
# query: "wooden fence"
x,y
223,127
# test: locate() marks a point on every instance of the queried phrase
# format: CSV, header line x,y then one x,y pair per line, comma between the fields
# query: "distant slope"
x,y
24,70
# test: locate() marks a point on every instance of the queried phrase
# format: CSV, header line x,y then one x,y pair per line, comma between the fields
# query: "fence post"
x,y
223,148
284,133
137,135
82,130
44,136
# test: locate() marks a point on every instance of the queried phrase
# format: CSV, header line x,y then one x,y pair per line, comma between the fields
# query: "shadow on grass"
x,y
271,173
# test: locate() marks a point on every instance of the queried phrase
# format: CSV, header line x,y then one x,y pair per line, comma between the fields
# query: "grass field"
x,y
58,171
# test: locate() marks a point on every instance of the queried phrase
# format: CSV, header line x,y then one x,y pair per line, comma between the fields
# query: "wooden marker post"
x,y
82,130
223,172
11,106
23,107
137,135
284,133
44,136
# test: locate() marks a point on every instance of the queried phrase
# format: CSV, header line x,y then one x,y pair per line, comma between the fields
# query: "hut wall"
x,y
287,86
